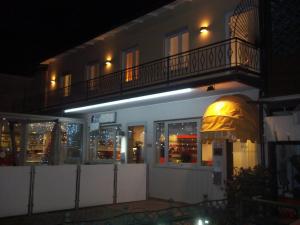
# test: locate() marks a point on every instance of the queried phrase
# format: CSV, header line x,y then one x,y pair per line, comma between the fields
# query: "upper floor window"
x,y
130,63
175,44
66,83
92,72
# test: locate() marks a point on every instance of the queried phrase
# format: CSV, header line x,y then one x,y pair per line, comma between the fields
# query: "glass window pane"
x,y
182,142
106,144
67,84
71,141
174,45
185,42
245,154
160,142
128,65
40,143
207,154
136,137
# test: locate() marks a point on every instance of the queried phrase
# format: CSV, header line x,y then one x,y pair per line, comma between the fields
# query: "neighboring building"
x,y
282,99
175,88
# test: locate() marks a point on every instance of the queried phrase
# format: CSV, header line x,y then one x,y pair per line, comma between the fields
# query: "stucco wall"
x,y
186,184
149,36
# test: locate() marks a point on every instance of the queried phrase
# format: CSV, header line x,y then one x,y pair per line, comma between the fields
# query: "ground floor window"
x,y
177,141
105,144
245,154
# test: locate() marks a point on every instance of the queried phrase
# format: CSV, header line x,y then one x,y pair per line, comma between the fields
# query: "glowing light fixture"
x,y
129,100
108,61
203,29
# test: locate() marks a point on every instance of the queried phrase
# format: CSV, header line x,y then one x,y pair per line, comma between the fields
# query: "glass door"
x,y
136,140
109,147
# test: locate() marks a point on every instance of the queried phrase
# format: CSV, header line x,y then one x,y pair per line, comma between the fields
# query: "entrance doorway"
x,y
285,164
136,140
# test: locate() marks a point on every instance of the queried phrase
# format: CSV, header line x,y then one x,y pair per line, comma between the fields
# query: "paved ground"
x,y
100,212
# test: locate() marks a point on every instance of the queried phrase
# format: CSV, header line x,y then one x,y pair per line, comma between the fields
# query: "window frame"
x,y
135,60
66,90
88,77
166,150
178,33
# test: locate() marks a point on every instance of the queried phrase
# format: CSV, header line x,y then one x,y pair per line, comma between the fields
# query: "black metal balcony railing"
x,y
229,55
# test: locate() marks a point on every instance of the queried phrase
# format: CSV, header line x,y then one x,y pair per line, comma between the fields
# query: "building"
x,y
176,89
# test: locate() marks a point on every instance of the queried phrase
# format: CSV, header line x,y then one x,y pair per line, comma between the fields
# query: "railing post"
x,y
236,52
168,69
115,191
31,190
121,81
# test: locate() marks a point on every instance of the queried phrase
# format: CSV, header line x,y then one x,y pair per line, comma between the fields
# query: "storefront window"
x,y
182,142
181,146
10,137
40,143
136,139
71,141
245,154
104,143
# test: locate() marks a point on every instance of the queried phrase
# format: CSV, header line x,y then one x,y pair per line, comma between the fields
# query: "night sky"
x,y
31,31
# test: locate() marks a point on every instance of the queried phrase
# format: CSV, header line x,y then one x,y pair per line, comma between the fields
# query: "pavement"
x,y
90,213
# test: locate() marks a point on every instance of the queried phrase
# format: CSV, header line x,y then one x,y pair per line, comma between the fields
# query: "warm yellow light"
x,y
203,30
108,61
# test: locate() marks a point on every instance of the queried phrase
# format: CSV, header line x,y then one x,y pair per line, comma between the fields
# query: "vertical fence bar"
x,y
115,192
77,192
31,190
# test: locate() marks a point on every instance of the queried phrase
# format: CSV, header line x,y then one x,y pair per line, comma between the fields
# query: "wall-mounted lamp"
x,y
108,62
203,29
210,88
53,82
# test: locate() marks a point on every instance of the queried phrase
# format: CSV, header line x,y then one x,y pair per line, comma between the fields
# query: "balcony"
x,y
206,64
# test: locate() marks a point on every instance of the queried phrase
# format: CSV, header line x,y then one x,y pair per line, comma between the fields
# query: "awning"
x,y
230,118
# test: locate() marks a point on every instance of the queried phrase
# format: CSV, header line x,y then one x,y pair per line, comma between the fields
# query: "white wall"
x,y
282,128
96,185
54,188
131,182
14,190
183,109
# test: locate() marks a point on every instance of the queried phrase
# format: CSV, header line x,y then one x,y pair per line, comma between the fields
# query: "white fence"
x,y
49,188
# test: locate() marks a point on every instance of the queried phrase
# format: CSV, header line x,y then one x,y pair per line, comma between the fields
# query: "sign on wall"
x,y
109,117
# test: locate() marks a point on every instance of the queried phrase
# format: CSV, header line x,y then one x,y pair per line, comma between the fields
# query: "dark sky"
x,y
31,31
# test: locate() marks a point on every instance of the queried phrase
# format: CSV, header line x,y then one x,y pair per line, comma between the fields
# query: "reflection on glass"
x,y
107,141
71,141
160,142
40,142
7,136
183,142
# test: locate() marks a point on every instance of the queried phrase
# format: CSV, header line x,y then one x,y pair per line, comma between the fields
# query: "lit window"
x,y
130,63
67,85
104,143
92,71
175,44
177,141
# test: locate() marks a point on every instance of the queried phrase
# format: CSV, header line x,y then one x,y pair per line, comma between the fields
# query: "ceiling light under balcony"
x,y
130,100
